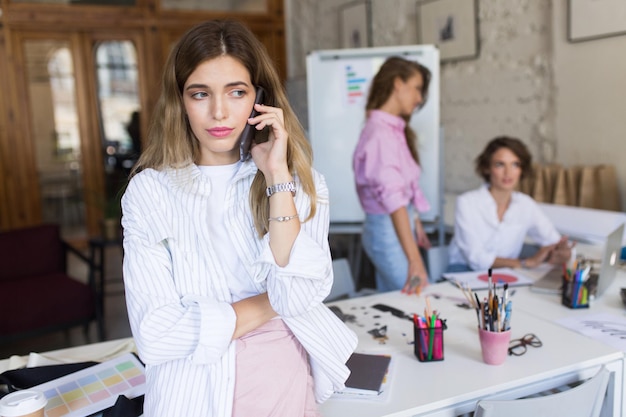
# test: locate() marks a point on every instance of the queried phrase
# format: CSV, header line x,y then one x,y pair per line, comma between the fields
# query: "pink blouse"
x,y
386,175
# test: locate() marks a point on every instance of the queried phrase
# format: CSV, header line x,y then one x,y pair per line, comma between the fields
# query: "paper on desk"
x,y
607,328
98,352
478,280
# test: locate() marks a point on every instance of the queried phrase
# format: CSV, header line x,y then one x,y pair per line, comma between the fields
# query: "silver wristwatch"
x,y
282,187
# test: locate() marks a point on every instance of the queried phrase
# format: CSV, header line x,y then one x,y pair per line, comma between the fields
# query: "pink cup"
x,y
494,346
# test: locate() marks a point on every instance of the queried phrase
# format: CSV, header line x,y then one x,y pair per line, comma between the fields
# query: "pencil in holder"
x,y
428,346
575,293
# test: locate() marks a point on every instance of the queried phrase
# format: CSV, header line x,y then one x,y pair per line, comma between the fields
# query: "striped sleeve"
x,y
165,325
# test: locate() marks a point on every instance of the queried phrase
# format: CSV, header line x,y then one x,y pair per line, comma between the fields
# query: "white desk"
x,y
453,386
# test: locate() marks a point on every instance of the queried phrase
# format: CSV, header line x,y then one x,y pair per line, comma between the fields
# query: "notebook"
x,y
367,373
552,282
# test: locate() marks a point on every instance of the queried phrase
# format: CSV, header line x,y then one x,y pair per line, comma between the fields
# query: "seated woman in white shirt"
x,y
493,221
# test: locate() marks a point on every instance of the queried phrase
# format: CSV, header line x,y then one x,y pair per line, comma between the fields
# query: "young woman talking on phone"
x,y
387,173
227,261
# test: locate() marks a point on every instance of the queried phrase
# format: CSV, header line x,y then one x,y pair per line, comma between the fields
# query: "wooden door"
x,y
74,120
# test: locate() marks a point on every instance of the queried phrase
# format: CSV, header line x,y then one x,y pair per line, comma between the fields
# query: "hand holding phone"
x,y
249,132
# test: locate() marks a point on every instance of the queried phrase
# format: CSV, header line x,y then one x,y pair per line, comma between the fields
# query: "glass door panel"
x,y
55,132
119,115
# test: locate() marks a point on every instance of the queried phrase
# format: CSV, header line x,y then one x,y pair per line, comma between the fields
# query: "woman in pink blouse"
x,y
387,173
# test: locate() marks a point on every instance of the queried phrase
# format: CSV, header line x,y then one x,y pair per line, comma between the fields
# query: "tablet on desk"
x,y
550,283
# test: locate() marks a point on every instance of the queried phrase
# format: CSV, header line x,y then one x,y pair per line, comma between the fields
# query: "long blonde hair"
x,y
382,87
171,142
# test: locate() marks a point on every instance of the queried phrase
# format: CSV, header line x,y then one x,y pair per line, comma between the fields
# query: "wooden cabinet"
x,y
47,148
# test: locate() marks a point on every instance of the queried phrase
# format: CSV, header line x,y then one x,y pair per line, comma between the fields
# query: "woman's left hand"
x,y
417,278
270,156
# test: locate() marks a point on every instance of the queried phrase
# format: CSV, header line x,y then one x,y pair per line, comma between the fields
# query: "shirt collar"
x,y
515,195
191,177
394,121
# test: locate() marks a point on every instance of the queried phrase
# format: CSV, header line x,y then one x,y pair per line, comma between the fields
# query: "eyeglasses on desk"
x,y
517,347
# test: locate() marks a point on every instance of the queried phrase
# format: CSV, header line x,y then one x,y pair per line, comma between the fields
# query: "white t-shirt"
x,y
480,237
239,282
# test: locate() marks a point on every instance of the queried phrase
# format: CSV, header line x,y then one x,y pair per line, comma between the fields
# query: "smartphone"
x,y
250,133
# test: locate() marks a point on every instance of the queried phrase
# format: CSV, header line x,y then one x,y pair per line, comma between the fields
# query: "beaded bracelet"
x,y
282,218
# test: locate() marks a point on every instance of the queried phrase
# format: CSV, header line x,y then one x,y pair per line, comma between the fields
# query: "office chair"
x,y
436,260
584,400
343,283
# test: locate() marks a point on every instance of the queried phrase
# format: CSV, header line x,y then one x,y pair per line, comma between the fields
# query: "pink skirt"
x,y
273,377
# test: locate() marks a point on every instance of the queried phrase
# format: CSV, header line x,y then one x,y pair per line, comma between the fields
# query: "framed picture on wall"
x,y
355,24
452,25
592,19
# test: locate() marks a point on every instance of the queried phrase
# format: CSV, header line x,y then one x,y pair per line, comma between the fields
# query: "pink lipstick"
x,y
220,132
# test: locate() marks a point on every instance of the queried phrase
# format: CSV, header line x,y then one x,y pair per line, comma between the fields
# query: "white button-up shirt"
x,y
480,237
178,296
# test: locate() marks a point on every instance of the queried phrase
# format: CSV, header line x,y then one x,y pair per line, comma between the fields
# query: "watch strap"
x,y
281,187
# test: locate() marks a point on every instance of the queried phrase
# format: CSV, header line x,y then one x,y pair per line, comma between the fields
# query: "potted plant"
x,y
112,210
111,221
109,203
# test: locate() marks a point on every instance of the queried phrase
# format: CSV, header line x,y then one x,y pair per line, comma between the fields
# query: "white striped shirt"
x,y
178,298
480,237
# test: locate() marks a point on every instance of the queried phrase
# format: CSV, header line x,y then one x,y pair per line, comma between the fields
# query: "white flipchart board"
x,y
337,87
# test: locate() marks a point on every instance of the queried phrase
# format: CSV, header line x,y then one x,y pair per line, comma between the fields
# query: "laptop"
x,y
552,282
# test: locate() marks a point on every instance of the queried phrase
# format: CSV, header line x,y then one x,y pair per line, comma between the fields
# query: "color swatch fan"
x,y
95,388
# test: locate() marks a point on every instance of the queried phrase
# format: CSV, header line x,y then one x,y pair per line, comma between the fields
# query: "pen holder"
x,y
494,346
428,346
575,294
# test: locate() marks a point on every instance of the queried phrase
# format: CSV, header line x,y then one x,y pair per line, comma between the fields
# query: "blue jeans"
x,y
382,246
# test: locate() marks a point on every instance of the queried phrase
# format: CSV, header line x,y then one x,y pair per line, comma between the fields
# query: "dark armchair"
x,y
36,294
